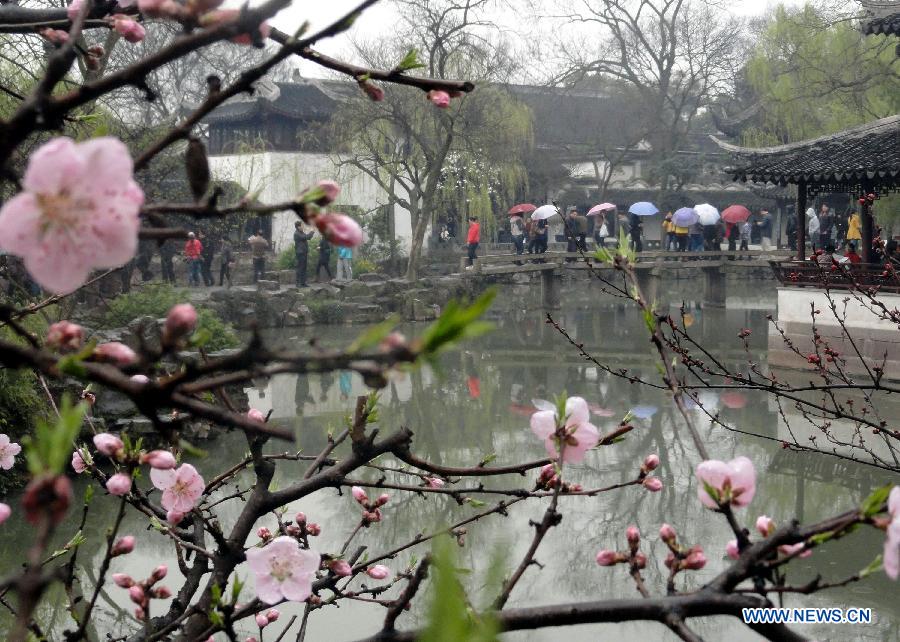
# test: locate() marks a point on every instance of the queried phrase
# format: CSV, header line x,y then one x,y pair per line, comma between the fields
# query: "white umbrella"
x,y
708,214
544,211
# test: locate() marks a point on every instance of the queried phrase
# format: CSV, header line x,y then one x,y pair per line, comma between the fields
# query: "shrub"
x,y
326,311
153,300
220,335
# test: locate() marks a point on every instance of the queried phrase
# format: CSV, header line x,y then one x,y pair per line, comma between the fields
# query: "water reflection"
x,y
477,404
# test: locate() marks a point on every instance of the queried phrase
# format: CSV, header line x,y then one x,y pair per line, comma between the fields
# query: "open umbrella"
x,y
733,399
644,411
603,207
685,217
643,208
522,208
735,214
544,211
708,214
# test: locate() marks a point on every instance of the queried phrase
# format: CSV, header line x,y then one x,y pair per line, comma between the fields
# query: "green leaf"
x,y
876,502
191,449
457,323
410,61
874,566
373,336
475,503
236,589
51,447
72,366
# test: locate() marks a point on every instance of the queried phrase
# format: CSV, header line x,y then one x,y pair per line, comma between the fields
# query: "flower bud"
x,y
159,459
695,559
5,512
140,378
64,335
313,529
122,580
78,463
293,530
261,620
633,535
123,546
359,495
173,517
127,28
653,484
108,444
256,415
115,352
181,321
324,193
161,593
667,533
607,558
139,613
392,341
378,572
159,573
383,499
341,568
119,484
732,550
790,549
651,462
765,525
340,229
434,482
136,593
263,533
300,518
272,615
640,560
439,98
375,93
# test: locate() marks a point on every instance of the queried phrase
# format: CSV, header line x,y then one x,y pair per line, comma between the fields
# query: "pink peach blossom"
x,y
667,533
439,98
261,620
632,535
181,320
651,462
272,615
5,512
313,529
123,546
256,415
653,484
695,559
181,487
78,463
732,550
892,536
78,212
340,229
341,568
8,451
733,482
580,434
108,444
383,499
434,482
129,29
161,459
790,549
159,573
765,525
378,572
283,570
174,517
359,494
64,335
140,378
119,484
136,593
115,352
122,580
300,518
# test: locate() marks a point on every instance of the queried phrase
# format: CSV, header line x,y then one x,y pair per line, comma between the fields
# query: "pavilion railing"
x,y
844,276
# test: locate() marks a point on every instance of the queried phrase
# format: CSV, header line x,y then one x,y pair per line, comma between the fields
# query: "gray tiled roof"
x,y
882,16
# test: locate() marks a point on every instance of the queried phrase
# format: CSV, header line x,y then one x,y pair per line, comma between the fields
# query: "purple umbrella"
x,y
685,217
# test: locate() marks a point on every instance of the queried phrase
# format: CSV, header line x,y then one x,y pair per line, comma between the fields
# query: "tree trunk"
x,y
418,237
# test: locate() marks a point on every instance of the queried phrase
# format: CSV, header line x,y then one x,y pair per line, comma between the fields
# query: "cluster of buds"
x,y
633,556
679,557
180,322
301,528
653,484
371,509
64,336
548,479
142,592
265,619
813,359
113,447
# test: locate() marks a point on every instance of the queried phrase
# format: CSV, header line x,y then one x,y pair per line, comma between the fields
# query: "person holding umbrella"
x,y
517,231
601,231
636,230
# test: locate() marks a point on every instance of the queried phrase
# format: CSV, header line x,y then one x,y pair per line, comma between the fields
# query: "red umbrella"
x,y
733,399
735,214
522,208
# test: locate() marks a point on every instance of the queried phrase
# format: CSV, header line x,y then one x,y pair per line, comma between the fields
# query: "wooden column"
x,y
865,213
801,220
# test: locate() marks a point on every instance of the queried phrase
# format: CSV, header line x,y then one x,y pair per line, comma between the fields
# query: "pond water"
x,y
478,404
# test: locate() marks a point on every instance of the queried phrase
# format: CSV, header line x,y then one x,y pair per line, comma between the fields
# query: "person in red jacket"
x,y
472,238
193,250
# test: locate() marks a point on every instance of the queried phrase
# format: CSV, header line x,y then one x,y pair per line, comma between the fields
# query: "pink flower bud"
x,y
434,482
383,499
272,615
136,593
314,529
64,335
115,352
73,9
78,464
293,530
5,512
790,549
300,518
439,98
181,320
329,190
695,559
119,484
222,16
375,93
765,525
174,517
667,533
370,517
732,550
161,592
127,28
341,568
122,580
256,415
633,535
139,613
378,572
261,620
55,36
108,444
159,572
653,484
359,495
640,560
263,533
123,546
140,378
651,462
340,229
159,459
607,558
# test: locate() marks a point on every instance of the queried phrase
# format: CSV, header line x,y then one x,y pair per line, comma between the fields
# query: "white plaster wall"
x,y
794,305
281,176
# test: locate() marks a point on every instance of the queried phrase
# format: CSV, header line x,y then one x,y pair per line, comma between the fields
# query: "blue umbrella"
x,y
643,208
644,412
685,217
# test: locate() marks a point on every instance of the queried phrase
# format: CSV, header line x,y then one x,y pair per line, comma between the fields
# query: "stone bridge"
x,y
649,267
